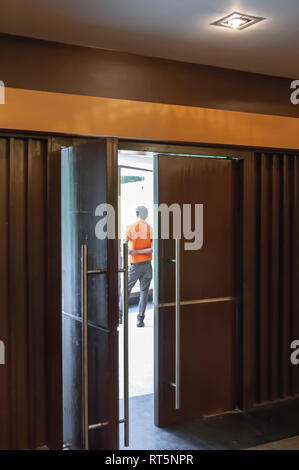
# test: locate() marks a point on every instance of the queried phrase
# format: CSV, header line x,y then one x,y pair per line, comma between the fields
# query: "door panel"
x,y
87,181
206,358
72,382
103,389
207,279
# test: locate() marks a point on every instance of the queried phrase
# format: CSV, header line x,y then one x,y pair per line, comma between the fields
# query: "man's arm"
x,y
141,252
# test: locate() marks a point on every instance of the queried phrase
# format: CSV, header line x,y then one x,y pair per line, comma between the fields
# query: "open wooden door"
x,y
195,346
90,395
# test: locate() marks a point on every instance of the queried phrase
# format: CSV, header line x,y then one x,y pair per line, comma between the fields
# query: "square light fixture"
x,y
237,21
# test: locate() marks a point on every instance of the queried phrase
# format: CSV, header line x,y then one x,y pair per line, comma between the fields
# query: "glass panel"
x,y
97,299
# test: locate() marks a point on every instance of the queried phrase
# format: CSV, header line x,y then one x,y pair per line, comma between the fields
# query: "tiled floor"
x,y
285,444
228,431
141,354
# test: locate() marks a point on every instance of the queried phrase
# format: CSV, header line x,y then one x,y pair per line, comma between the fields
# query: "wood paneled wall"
x,y
277,277
23,295
30,292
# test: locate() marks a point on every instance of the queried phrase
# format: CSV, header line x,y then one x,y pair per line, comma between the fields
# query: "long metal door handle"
x,y
177,323
84,310
84,255
84,277
126,344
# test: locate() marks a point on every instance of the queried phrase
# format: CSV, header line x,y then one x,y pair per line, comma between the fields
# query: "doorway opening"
x,y
135,170
199,283
145,178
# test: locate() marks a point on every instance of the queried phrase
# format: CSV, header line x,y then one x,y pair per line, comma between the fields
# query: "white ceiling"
x,y
175,29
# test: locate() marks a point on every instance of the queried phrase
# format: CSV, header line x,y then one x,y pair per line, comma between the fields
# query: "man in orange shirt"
x,y
140,236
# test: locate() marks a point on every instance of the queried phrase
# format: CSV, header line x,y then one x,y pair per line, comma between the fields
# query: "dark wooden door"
x,y
208,291
89,178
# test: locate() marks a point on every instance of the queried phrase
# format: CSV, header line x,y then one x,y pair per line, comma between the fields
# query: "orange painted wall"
x,y
86,115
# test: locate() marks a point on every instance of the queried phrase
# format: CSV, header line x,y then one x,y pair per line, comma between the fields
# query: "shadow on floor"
x,y
229,431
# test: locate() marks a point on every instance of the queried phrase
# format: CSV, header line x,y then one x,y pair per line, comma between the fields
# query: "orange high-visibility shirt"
x,y
140,234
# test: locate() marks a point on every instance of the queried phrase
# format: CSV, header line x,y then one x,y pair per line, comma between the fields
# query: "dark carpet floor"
x,y
228,431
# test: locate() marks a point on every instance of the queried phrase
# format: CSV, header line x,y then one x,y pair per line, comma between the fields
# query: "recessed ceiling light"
x,y
237,21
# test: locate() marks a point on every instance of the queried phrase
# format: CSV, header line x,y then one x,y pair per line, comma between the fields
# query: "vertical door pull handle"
x,y
126,344
84,276
125,308
177,383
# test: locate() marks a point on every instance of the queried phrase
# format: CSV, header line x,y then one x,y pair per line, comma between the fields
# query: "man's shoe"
x,y
140,324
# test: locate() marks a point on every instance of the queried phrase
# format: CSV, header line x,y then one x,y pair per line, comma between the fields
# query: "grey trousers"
x,y
143,273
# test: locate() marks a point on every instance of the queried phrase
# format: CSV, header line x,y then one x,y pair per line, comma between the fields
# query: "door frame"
x,y
245,359
245,342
